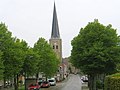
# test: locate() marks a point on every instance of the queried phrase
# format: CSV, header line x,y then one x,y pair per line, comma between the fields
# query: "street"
x,y
73,83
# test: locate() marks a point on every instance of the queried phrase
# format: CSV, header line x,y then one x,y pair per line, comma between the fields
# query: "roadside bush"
x,y
99,84
112,82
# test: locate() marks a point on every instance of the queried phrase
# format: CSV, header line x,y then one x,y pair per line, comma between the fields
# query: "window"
x,y
56,46
53,47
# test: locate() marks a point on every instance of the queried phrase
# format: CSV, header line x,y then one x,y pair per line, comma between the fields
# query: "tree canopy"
x,y
30,63
48,61
1,66
95,50
17,58
5,44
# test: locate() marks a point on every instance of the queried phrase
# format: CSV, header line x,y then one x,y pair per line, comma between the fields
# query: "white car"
x,y
84,78
52,81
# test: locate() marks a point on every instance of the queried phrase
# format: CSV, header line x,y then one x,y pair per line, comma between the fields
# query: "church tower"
x,y
55,40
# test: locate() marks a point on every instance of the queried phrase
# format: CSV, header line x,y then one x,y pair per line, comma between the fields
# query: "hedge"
x,y
112,82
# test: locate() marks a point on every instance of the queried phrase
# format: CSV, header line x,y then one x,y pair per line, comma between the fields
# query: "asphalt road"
x,y
73,83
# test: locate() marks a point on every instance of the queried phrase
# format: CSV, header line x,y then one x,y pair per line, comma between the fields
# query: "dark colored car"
x,y
34,87
40,82
45,84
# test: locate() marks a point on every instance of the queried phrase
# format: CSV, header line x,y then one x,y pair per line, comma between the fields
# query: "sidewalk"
x,y
7,88
85,86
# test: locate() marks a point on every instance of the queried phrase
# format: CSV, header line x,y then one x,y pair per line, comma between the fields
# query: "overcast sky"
x,y
31,19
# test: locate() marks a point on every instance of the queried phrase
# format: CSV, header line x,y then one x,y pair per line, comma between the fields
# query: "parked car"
x,y
34,87
40,82
45,84
52,81
84,78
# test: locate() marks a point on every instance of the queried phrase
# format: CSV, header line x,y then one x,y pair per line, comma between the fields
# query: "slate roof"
x,y
55,28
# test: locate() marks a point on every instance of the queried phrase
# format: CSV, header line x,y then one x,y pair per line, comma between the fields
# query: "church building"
x,y
55,40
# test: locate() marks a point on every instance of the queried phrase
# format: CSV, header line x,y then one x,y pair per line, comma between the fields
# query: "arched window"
x,y
53,47
56,46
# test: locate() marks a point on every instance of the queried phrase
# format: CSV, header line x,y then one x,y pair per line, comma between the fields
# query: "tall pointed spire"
x,y
55,40
55,27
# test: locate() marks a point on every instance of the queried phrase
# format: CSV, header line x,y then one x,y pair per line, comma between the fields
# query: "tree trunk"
x,y
25,81
15,82
4,82
46,78
103,80
88,80
92,82
37,77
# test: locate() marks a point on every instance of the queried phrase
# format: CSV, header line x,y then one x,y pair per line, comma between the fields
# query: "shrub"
x,y
112,82
99,84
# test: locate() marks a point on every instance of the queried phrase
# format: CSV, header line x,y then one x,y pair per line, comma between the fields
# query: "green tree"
x,y
15,60
5,37
5,44
118,65
12,56
30,64
95,50
1,66
48,61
